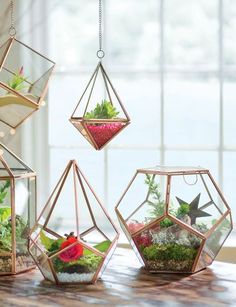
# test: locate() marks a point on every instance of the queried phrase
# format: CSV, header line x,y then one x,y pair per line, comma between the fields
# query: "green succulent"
x,y
17,82
104,110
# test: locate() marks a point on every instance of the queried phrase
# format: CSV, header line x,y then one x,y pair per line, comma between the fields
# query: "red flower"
x,y
72,253
143,239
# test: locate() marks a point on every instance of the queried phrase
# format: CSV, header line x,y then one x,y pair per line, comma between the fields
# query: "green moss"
x,y
169,252
85,264
166,223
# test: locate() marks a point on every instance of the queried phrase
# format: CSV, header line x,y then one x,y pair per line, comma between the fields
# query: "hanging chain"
x,y
12,29
100,52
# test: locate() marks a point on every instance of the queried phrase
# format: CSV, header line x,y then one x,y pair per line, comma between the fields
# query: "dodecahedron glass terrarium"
x,y
24,76
175,218
100,114
17,212
74,238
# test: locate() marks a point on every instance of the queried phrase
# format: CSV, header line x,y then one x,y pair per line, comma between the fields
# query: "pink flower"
x,y
21,71
133,227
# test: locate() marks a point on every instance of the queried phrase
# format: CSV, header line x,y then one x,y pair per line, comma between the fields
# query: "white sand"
x,y
66,277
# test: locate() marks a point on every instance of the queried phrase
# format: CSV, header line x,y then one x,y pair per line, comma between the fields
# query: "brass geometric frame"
x,y
24,100
42,225
169,173
81,122
13,178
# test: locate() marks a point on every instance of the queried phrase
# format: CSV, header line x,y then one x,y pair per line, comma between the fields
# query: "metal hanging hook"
x,y
100,52
191,183
12,29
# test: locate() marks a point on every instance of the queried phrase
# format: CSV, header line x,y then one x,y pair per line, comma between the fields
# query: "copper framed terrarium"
x,y
175,218
17,212
73,238
24,77
99,115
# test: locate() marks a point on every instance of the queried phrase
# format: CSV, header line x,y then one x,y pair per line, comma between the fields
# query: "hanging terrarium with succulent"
x,y
74,237
100,114
17,212
24,77
176,219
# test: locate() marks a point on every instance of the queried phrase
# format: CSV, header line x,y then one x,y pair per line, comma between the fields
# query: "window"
x,y
173,64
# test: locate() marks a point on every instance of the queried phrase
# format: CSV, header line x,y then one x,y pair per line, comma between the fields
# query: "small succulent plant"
x,y
17,82
103,110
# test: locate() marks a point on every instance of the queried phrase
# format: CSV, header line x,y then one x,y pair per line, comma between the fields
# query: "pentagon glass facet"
x,y
17,212
97,125
175,218
24,76
73,238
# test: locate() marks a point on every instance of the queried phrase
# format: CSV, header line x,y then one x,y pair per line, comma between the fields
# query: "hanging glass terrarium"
x,y
17,212
24,76
176,219
100,114
74,237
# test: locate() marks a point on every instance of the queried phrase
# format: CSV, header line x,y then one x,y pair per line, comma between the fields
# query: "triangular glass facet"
x,y
11,163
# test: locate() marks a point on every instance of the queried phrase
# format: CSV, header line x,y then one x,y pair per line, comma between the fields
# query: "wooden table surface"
x,y
125,283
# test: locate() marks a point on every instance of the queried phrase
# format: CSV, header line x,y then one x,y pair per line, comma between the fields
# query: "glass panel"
x,y
42,262
25,210
16,166
129,161
191,33
195,201
128,236
215,241
168,248
5,222
144,201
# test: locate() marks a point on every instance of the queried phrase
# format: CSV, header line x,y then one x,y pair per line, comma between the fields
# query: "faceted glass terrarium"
x,y
175,218
24,76
100,114
17,212
74,238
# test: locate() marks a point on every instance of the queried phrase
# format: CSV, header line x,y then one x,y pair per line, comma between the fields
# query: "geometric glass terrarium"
x,y
175,218
100,114
17,212
24,76
73,238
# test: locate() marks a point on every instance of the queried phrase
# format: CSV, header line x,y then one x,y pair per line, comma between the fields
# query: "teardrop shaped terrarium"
x,y
74,238
17,212
100,116
24,76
